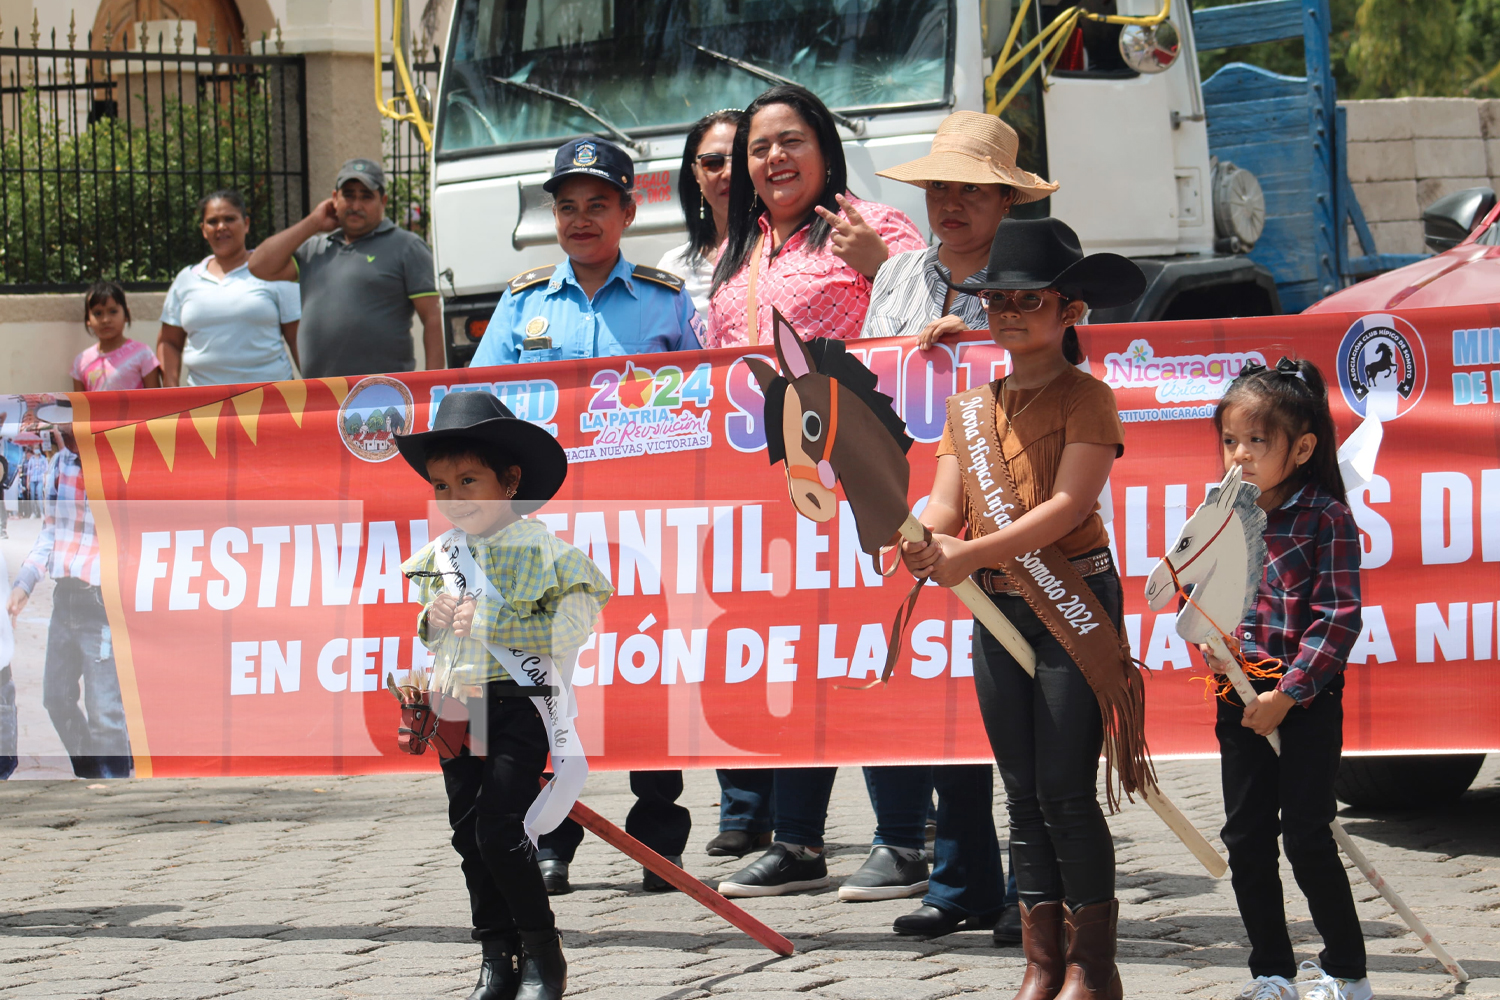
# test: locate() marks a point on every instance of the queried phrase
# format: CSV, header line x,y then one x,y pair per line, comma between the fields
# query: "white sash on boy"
x,y
569,765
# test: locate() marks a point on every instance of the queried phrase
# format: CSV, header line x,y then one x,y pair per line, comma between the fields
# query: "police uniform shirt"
x,y
545,316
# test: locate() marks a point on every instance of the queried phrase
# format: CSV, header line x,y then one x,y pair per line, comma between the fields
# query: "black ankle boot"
x,y
500,972
544,972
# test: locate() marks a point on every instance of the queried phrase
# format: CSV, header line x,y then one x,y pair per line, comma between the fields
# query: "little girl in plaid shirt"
x,y
1274,423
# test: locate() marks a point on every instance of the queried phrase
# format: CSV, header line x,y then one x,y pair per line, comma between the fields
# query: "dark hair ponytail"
x,y
1071,349
1293,401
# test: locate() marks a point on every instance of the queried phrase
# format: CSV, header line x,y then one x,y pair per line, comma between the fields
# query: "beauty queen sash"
x,y
1056,591
570,767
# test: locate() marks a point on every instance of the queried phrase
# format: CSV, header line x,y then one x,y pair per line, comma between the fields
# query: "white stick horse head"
x,y
1219,557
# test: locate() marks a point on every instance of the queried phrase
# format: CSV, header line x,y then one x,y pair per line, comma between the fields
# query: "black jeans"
x,y
655,819
1047,733
487,801
1291,795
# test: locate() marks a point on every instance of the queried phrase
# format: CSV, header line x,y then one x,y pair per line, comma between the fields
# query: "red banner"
x,y
252,538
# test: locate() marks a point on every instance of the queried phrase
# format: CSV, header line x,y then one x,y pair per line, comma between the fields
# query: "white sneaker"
x,y
1268,988
1326,987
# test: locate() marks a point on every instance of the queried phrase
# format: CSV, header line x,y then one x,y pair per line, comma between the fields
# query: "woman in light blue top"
x,y
220,321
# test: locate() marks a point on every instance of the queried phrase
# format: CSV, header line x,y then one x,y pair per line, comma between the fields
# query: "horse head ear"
x,y
1229,486
790,350
764,374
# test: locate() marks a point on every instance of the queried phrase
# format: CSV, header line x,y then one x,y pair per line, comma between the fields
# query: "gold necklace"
x,y
1011,418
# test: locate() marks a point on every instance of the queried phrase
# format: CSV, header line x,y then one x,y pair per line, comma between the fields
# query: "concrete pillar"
x,y
336,37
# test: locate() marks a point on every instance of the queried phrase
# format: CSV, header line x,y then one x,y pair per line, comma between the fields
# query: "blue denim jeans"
x,y
80,651
745,798
801,803
8,751
968,877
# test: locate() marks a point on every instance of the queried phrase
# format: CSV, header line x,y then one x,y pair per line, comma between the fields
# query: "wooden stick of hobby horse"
x,y
628,845
1247,694
1001,628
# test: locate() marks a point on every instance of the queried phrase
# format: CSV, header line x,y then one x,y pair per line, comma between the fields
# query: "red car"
x,y
1464,228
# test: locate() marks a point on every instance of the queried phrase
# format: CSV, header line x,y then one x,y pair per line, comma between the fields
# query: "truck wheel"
x,y
1405,782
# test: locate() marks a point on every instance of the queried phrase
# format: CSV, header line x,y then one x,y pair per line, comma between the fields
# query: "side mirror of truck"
x,y
1448,221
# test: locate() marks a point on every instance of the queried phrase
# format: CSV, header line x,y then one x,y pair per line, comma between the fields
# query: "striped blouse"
x,y
909,293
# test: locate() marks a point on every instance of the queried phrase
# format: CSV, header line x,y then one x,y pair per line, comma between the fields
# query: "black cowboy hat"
x,y
1045,253
480,417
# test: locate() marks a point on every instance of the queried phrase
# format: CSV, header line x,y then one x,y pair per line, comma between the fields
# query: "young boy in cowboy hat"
x,y
506,606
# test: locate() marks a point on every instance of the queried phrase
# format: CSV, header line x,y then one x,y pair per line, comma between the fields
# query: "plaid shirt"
x,y
534,572
67,546
1306,613
819,294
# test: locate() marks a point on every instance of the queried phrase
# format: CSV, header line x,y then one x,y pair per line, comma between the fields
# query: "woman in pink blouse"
x,y
797,240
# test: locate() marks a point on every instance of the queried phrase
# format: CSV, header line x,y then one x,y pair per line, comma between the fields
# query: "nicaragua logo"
x,y
375,411
1181,378
1382,366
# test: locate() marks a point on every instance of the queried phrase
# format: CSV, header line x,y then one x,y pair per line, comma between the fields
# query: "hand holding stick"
x,y
1016,645
1247,693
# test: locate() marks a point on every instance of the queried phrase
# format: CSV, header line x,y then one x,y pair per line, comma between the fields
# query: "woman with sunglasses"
x,y
797,241
1023,474
703,191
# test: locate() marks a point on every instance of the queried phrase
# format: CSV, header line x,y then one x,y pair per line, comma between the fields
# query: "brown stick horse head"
x,y
828,421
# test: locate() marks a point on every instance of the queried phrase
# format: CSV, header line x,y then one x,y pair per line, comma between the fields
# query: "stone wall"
x,y
1406,153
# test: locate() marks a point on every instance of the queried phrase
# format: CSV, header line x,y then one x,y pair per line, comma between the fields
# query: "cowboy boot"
x,y
1092,973
544,972
500,972
1042,942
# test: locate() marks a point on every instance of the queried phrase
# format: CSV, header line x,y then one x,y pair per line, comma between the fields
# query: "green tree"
x,y
1405,49
375,422
352,424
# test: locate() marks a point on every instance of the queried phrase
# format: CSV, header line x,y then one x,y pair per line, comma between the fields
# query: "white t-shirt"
x,y
698,279
233,324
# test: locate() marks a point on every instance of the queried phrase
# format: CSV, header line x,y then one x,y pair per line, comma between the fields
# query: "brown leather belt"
x,y
996,583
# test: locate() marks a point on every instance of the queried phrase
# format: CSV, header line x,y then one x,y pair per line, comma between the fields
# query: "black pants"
x,y
1047,733
1291,795
656,819
487,800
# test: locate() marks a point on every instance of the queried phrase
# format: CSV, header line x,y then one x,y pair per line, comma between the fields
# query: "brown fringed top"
x,y
1074,408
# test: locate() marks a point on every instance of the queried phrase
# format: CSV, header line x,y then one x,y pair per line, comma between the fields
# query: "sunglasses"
x,y
712,162
996,300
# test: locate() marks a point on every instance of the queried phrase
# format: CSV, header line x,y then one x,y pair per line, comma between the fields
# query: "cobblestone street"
x,y
313,888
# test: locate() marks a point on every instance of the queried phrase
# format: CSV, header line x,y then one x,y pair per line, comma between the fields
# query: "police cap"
x,y
591,157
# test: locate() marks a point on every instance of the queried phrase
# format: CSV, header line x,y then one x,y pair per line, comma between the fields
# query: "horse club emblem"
x,y
827,420
585,155
375,411
1382,366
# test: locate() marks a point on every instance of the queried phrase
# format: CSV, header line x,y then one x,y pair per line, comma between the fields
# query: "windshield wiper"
x,y
855,125
578,105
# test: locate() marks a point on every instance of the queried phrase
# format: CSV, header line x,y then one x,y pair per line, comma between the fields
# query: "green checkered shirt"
x,y
533,571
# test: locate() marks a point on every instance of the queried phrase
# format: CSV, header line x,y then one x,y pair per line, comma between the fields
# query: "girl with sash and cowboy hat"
x,y
506,606
1021,466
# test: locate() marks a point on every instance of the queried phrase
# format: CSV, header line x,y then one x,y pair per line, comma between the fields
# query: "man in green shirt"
x,y
361,278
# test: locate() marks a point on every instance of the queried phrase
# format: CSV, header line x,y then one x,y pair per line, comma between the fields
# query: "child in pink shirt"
x,y
116,362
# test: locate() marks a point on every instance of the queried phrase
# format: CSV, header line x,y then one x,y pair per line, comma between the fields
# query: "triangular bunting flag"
x,y
206,420
164,433
247,405
122,440
339,387
295,394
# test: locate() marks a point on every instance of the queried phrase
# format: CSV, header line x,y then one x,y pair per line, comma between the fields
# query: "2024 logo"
x,y
639,411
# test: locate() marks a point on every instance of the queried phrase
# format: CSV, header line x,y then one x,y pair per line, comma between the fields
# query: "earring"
x,y
510,494
702,205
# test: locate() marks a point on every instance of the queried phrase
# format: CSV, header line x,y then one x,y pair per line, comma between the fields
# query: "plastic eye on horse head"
x,y
807,432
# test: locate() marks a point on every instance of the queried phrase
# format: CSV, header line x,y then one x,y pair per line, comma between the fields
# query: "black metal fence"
x,y
104,153
407,162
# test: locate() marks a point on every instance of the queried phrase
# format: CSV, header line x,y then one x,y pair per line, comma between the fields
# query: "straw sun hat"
x,y
973,148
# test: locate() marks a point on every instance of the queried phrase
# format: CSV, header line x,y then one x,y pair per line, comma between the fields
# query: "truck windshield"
x,y
655,65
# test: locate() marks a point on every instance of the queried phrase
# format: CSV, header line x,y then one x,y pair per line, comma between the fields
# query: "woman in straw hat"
x,y
972,182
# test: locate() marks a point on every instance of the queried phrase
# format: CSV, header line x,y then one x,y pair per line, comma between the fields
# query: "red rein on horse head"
x,y
817,474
